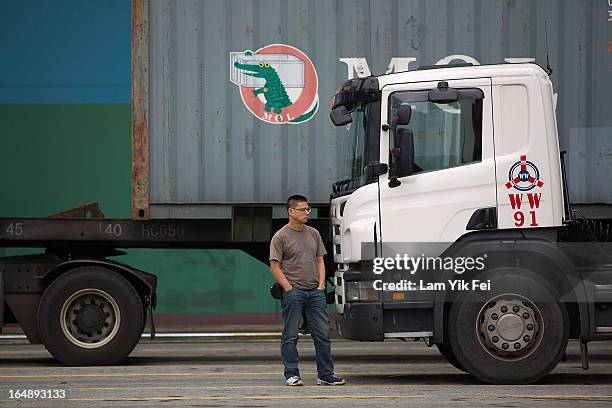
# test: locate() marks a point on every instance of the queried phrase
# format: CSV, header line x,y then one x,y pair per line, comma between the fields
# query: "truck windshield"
x,y
353,150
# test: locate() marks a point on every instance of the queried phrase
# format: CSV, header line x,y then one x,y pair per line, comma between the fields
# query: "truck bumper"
x,y
379,316
361,321
356,320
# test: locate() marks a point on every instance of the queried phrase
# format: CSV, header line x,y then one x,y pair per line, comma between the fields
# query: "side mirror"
x,y
405,143
341,116
403,157
376,169
393,181
404,113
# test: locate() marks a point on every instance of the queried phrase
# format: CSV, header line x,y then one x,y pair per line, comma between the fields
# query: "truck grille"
x,y
337,243
339,291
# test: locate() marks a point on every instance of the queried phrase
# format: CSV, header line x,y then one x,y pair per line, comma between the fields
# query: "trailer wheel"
x,y
447,353
90,316
516,333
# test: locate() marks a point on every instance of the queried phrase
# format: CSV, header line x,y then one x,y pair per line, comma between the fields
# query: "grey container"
x,y
207,152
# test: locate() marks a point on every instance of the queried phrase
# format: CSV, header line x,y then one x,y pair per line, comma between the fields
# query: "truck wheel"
x,y
516,333
90,316
447,352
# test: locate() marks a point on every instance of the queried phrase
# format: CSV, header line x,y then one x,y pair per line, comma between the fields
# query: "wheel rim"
x,y
90,318
509,327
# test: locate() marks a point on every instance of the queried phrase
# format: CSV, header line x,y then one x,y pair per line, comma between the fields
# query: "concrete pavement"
x,y
248,372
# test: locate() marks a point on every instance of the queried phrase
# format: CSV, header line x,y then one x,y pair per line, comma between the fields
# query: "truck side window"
x,y
444,135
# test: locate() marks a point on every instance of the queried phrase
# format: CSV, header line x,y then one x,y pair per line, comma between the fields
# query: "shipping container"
x,y
207,151
211,147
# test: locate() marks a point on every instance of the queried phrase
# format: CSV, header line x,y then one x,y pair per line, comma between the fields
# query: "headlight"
x,y
361,290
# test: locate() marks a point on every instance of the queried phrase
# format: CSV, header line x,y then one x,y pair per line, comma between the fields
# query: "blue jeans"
x,y
313,303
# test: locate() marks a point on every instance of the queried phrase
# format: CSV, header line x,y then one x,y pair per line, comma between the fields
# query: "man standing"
x,y
296,261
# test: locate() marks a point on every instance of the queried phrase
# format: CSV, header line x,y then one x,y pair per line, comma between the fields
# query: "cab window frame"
x,y
475,94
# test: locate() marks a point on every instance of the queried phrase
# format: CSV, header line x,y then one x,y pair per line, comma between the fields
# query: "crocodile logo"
x,y
273,90
278,83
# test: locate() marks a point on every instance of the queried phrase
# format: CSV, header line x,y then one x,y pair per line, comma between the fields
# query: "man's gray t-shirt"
x,y
297,253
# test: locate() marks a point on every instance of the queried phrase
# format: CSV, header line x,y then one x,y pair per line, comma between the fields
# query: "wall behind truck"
x,y
65,139
205,145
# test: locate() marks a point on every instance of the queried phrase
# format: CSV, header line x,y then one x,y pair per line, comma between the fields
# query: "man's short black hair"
x,y
295,200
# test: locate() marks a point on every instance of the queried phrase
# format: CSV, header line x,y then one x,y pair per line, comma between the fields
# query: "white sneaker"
x,y
294,381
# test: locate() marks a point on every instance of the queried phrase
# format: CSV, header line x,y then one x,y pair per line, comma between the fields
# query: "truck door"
x,y
453,168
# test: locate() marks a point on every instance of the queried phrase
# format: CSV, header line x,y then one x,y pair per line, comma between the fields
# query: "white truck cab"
x,y
466,157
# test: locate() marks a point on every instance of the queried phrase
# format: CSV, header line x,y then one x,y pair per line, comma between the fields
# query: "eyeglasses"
x,y
305,210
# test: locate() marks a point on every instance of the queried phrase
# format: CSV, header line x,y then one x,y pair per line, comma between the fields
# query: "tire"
x,y
90,316
516,333
447,352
